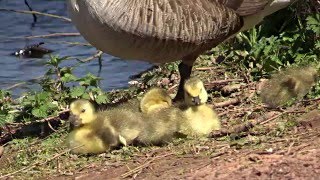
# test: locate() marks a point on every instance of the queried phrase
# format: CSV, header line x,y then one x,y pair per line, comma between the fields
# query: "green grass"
x,y
287,38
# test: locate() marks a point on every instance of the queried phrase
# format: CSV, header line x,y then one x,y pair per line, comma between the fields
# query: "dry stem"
x,y
36,13
139,168
38,163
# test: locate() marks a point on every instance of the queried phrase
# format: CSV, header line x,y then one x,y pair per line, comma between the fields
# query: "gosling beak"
x,y
196,100
74,120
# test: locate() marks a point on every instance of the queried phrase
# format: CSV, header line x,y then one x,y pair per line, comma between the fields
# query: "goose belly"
x,y
164,40
122,44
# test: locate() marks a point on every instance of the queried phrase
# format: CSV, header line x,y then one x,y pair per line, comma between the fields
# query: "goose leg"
x,y
185,71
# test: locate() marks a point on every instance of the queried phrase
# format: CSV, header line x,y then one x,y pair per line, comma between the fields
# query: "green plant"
x,y
58,89
290,36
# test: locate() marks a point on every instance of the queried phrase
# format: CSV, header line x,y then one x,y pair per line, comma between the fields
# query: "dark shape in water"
x,y
33,15
32,51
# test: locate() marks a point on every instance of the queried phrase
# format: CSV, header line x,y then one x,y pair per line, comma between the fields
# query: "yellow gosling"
x,y
200,119
89,134
154,100
160,126
160,118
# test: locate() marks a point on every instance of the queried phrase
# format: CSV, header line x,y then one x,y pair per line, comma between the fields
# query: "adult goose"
x,y
161,31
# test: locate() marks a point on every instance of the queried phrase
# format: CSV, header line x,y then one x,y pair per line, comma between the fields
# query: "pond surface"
x,y
14,27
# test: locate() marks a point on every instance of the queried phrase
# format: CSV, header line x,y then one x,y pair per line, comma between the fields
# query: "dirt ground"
x,y
294,156
285,159
283,143
261,154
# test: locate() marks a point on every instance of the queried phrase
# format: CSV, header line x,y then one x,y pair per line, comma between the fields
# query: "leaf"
x,y
56,60
3,119
77,91
86,96
66,70
51,106
89,80
39,112
68,78
43,96
31,98
4,93
102,99
9,118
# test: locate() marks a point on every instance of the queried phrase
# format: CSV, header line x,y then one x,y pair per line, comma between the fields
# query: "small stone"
x,y
174,77
218,60
270,150
165,81
254,158
1,151
228,89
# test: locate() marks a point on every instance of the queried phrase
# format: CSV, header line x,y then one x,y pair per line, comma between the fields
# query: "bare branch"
x,y
36,13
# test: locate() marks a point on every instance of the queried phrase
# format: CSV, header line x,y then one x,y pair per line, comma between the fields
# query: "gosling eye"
x,y
83,110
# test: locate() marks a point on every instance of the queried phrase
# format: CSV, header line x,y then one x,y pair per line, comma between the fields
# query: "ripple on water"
x,y
115,72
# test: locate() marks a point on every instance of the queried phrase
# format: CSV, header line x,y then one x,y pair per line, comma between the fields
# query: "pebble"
x,y
1,150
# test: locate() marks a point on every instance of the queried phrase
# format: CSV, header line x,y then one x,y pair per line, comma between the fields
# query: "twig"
x,y
230,88
289,149
245,75
272,118
223,81
9,133
96,55
36,13
41,120
15,85
52,35
69,43
39,163
204,68
242,110
172,88
248,125
50,126
218,154
243,127
301,136
310,100
21,83
233,130
139,168
227,103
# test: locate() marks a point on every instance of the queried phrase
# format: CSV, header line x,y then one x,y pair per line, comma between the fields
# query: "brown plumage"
x,y
288,84
162,31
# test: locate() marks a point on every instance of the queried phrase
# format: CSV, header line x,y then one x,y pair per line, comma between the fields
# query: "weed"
x,y
288,38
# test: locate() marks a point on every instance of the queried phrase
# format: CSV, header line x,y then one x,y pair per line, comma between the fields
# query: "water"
x,y
15,26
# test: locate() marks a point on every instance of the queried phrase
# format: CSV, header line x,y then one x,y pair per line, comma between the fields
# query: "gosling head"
x,y
82,112
194,92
